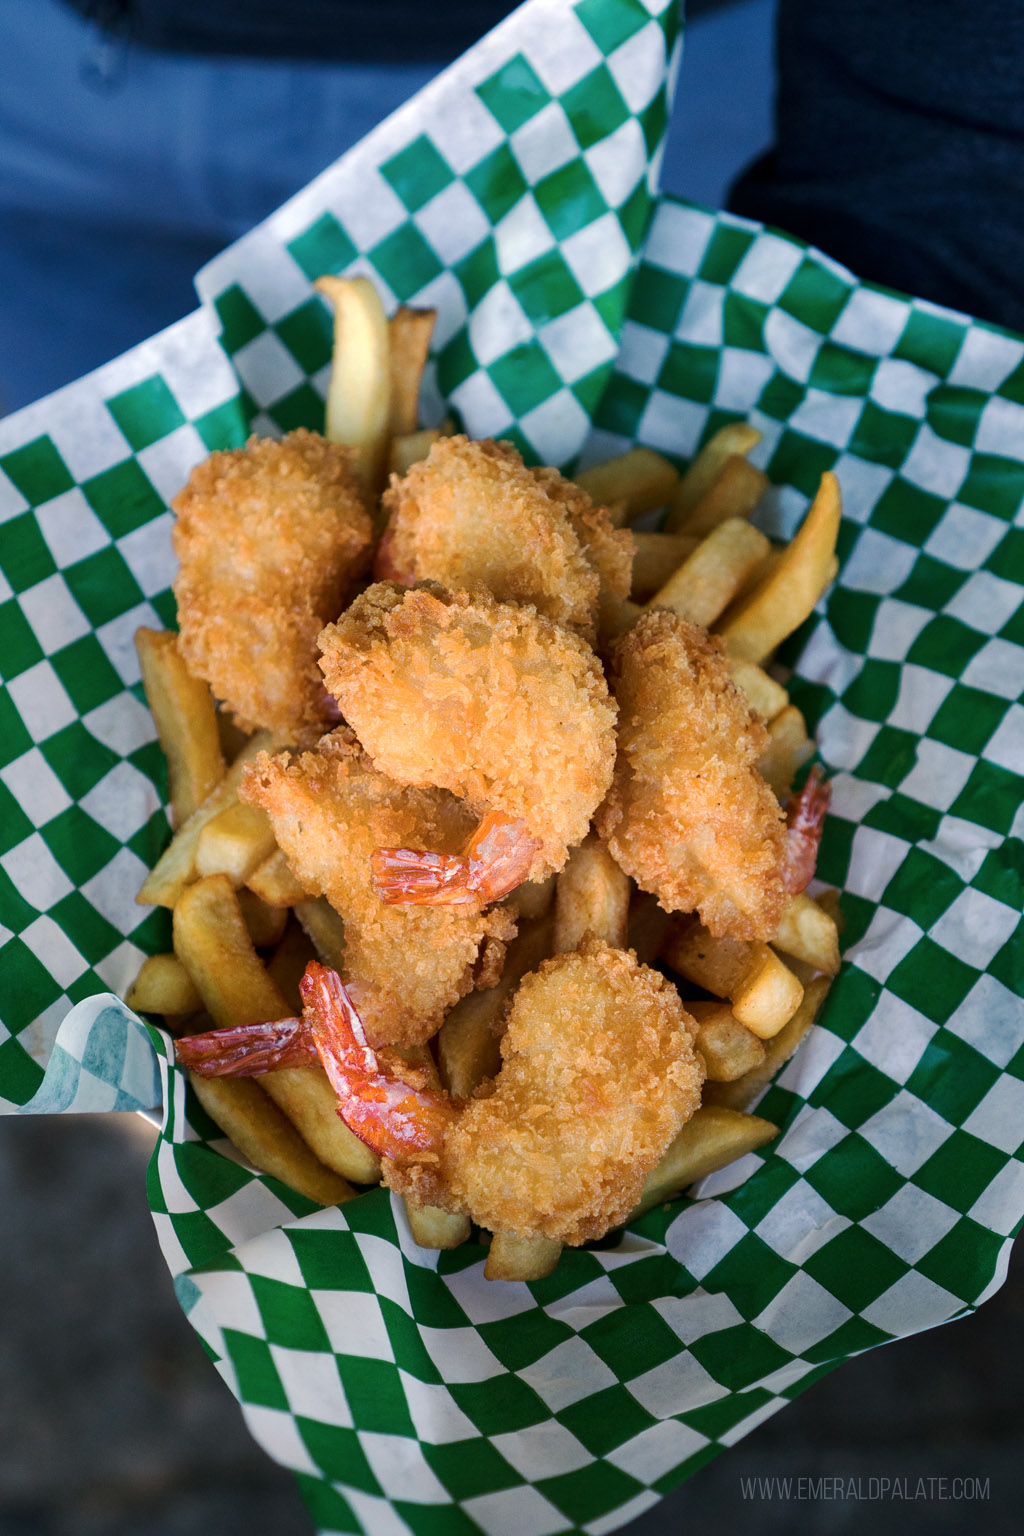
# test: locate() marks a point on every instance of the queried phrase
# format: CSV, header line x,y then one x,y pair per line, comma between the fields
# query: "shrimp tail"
x,y
248,1050
497,858
805,816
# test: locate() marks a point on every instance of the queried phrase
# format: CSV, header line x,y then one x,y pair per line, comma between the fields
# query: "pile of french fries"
x,y
245,929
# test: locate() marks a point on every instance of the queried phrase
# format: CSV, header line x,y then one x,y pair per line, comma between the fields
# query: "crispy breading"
x,y
689,816
269,539
405,966
472,513
489,700
599,1072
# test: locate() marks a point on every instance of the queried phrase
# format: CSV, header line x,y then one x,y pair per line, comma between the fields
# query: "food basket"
x,y
578,314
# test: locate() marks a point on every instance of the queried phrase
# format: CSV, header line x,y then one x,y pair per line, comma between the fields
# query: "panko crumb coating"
x,y
599,1073
405,966
689,816
473,513
269,538
494,702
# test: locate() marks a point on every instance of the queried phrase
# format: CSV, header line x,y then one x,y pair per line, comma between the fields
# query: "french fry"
x,y
287,965
511,1257
618,512
782,600
185,717
762,989
735,438
592,896
808,933
212,942
627,616
359,395
176,867
267,1138
641,478
789,747
710,577
326,930
431,1226
266,925
163,986
409,333
734,492
729,1048
765,696
533,898
712,1138
408,448
656,556
235,843
778,1050
273,882
468,1049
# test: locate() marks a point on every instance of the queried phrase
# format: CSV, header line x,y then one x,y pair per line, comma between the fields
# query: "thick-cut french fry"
x,y
734,492
788,749
325,928
809,934
656,556
287,965
618,512
736,438
409,333
648,927
409,448
176,866
431,1226
729,1048
781,601
709,578
267,1138
273,882
468,1049
511,1257
627,615
212,942
778,1050
266,925
163,986
713,1137
765,696
533,898
592,896
235,843
763,991
359,395
185,717
641,478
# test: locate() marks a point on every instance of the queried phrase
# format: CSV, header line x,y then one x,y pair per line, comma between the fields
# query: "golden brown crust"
x,y
688,815
269,538
491,701
406,966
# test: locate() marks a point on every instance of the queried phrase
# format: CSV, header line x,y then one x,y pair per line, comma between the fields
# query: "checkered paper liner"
x,y
405,1392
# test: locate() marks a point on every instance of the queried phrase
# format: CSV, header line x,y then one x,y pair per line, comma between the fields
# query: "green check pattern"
x,y
406,1393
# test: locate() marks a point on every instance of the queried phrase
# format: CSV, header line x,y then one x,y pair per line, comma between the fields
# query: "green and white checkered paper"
x,y
406,1392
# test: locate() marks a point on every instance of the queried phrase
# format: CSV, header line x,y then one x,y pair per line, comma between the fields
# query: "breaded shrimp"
x,y
472,513
269,539
599,1073
491,701
406,966
689,816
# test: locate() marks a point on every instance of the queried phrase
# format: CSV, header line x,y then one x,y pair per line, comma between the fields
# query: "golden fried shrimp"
x,y
406,966
269,538
599,1073
689,816
472,513
490,701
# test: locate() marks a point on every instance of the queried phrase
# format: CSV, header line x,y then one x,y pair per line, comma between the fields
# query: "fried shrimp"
x,y
406,966
689,816
472,513
493,702
599,1073
269,538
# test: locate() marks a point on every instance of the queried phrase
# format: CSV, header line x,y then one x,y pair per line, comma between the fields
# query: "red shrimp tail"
x,y
247,1050
497,858
805,815
397,1119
